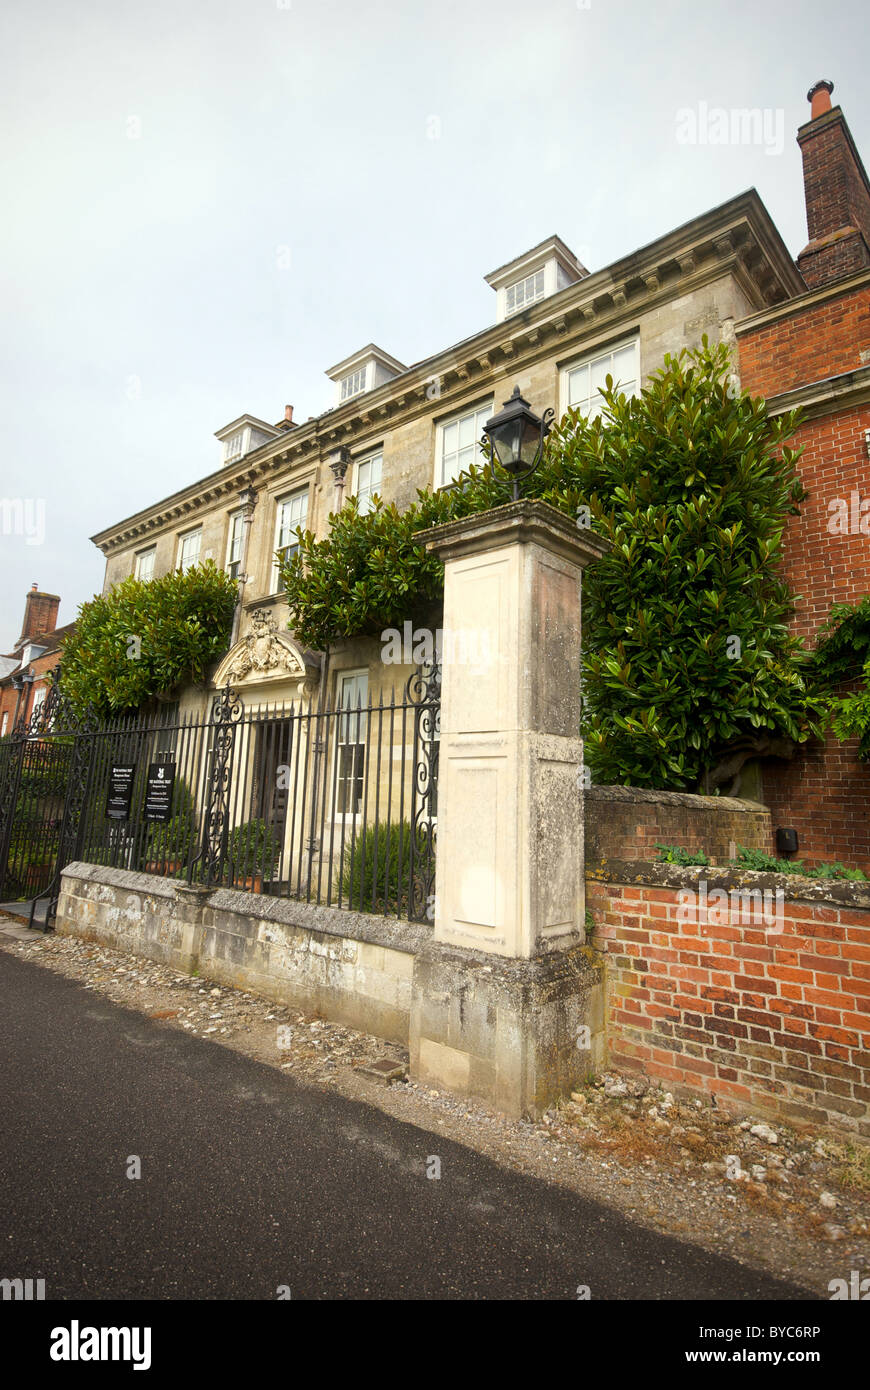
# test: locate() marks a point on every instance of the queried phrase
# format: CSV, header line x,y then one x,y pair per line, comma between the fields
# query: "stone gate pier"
x,y
507,1001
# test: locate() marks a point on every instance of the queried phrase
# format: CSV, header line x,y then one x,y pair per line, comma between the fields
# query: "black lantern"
x,y
516,438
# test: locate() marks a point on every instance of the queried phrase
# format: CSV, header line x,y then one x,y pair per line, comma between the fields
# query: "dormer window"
x,y
548,268
366,370
234,446
353,384
524,292
242,436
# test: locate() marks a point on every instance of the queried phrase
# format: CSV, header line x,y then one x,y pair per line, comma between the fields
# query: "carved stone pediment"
x,y
265,654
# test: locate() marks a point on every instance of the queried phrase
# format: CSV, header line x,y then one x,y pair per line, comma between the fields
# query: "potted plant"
x,y
253,855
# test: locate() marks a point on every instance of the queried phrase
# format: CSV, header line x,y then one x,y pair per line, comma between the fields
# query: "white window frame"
x,y
234,447
298,494
39,695
364,497
526,291
231,538
591,359
150,553
182,542
351,731
353,384
442,433
5,723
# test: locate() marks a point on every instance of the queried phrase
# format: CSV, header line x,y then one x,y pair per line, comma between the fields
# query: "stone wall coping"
x,y
127,879
652,795
795,888
579,961
516,522
396,933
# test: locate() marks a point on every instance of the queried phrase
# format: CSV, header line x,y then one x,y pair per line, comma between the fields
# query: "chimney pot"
x,y
819,97
288,413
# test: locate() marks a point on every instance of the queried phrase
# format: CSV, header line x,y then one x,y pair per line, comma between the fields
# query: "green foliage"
x,y
843,655
687,650
692,485
367,574
766,863
253,850
181,623
673,854
381,866
760,862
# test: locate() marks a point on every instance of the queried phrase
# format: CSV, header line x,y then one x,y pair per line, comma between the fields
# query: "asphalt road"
x,y
251,1182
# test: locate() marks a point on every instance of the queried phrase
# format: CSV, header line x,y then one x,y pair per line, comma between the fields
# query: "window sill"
x,y
265,601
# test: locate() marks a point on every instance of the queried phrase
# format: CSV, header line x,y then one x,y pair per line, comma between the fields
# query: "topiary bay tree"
x,y
144,637
689,664
372,571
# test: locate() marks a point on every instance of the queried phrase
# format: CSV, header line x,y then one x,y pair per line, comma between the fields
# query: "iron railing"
x,y
335,804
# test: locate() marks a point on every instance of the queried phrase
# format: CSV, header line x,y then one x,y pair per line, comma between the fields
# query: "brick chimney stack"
x,y
40,614
837,194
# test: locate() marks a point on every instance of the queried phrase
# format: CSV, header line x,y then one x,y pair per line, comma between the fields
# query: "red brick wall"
x,y
777,1022
8,699
41,666
821,340
821,565
824,793
628,823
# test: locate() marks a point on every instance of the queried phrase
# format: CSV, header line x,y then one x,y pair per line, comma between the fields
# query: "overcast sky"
x,y
208,204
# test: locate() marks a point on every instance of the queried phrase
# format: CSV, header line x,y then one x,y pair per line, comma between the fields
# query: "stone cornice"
x,y
738,237
526,521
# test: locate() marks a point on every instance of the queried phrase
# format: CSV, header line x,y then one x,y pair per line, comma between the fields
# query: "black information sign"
x,y
120,792
158,791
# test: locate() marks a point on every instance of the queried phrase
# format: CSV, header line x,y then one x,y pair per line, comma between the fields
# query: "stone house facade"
x,y
559,330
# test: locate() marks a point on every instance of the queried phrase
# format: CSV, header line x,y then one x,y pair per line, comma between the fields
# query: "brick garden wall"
x,y
628,823
773,1019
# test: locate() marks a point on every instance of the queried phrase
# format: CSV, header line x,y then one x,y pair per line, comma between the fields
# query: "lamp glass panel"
x,y
507,439
531,439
